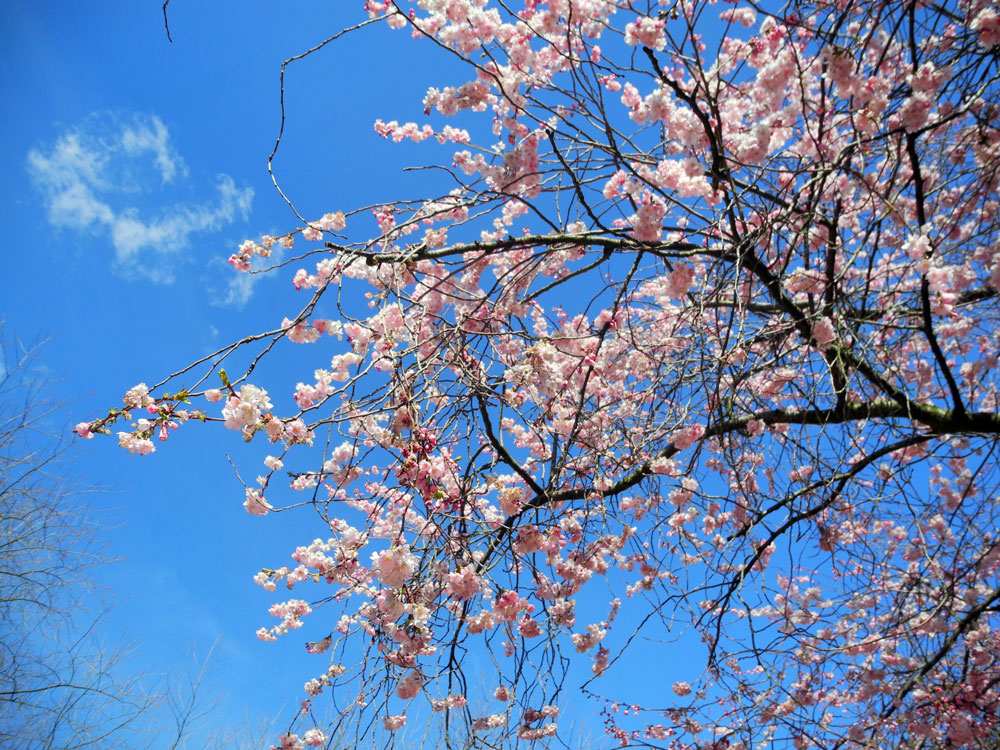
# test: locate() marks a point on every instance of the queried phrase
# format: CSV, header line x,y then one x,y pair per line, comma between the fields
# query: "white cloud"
x,y
239,290
93,175
152,136
77,207
239,287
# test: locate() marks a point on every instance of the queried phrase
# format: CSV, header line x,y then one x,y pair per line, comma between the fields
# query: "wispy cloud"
x,y
152,136
98,177
239,287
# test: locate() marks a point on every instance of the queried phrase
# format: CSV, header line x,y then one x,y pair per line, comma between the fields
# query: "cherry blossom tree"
x,y
697,344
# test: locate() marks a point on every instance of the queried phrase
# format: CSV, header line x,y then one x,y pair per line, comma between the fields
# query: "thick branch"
x,y
941,422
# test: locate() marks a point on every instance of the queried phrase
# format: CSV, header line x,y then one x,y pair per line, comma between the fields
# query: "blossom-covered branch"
x,y
705,311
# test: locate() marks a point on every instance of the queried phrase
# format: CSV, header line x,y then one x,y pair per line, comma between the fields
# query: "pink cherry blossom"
x,y
395,565
688,436
245,410
392,723
135,443
409,686
138,397
313,738
255,503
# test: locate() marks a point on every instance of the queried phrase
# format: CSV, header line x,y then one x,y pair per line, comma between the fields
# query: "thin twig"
x,y
166,23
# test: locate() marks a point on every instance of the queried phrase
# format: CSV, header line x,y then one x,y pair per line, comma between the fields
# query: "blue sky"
x,y
134,169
